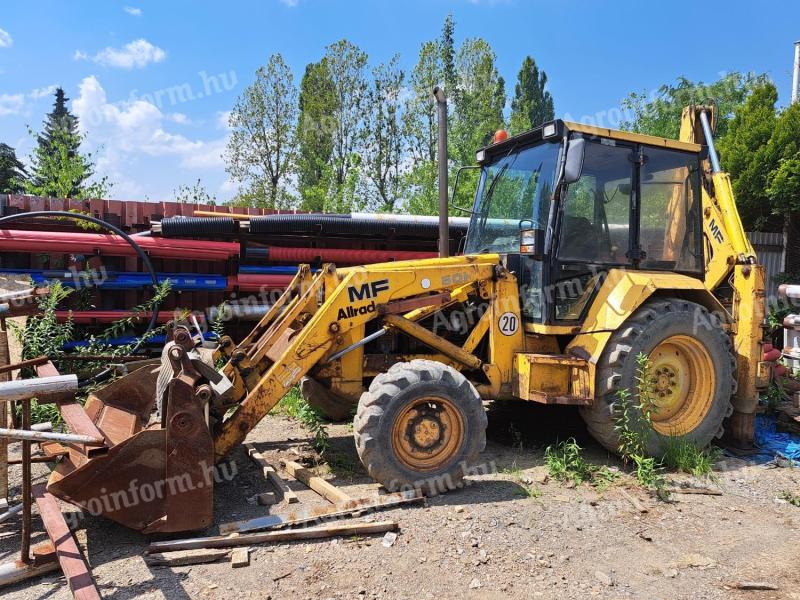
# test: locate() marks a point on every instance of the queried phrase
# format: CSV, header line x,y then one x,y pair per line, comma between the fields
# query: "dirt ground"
x,y
507,534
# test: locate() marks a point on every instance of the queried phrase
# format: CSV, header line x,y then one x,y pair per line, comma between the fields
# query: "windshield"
x,y
514,193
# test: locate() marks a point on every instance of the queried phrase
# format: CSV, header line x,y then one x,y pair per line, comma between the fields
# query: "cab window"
x,y
670,226
595,223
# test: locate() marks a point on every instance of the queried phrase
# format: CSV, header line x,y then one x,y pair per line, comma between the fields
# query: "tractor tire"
x,y
332,406
693,366
420,426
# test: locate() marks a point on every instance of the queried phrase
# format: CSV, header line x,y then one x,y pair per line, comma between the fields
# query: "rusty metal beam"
x,y
71,411
76,571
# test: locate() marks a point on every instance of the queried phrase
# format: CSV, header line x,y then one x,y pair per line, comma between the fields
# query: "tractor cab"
x,y
565,203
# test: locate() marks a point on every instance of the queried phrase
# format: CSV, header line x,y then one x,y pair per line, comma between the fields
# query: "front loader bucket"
x,y
152,475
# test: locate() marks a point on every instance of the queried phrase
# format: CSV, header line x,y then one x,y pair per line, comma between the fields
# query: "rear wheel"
x,y
420,426
692,366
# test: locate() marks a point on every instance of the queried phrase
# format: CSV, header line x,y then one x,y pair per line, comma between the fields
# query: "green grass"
x,y
565,462
294,405
791,497
680,454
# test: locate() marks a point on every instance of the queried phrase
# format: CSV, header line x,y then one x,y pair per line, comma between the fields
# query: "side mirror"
x,y
574,163
531,242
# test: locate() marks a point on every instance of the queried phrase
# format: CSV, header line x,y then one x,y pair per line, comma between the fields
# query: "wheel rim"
x,y
427,433
683,385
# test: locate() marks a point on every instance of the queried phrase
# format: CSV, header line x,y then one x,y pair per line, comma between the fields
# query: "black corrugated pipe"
x,y
198,226
444,229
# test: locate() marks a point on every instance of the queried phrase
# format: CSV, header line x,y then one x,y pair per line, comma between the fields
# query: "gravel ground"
x,y
508,533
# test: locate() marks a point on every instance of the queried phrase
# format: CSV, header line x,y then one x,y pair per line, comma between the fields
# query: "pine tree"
x,y
532,104
60,120
12,171
58,168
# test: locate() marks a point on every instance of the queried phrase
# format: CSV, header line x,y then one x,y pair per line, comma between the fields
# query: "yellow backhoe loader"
x,y
585,248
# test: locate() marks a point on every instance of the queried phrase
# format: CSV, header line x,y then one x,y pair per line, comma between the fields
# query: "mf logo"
x,y
715,231
367,290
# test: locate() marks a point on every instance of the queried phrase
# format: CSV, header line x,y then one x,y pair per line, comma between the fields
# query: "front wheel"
x,y
692,371
420,425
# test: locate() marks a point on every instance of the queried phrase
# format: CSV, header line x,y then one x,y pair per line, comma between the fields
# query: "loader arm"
x,y
313,320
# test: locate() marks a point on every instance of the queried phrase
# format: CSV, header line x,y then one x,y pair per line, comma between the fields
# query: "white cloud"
x,y
11,104
138,54
223,118
5,39
42,92
133,11
179,118
128,133
16,104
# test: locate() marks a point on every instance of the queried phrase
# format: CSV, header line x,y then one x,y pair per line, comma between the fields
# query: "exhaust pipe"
x,y
444,228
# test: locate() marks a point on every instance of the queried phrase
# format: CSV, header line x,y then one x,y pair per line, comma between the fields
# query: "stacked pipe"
x,y
222,255
791,327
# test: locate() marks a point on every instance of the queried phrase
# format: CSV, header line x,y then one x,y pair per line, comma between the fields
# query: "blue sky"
x,y
153,80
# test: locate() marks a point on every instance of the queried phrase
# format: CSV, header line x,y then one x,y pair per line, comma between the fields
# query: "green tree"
x,y
532,105
743,153
347,64
783,181
660,114
420,130
383,140
261,148
194,194
447,51
12,171
59,170
479,102
60,119
58,167
315,129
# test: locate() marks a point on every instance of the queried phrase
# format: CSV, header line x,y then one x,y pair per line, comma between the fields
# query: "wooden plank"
x,y
240,557
325,489
77,573
349,509
14,572
221,541
189,557
272,475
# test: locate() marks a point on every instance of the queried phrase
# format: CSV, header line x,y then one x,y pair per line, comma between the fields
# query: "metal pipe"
x,y
46,436
366,340
787,290
444,228
40,388
25,547
796,73
712,150
14,510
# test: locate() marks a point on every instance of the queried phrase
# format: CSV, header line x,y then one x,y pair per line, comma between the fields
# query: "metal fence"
x,y
771,251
